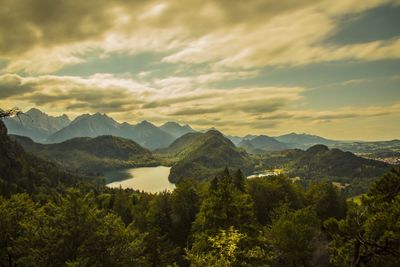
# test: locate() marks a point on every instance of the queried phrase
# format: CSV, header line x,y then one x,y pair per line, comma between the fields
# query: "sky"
x,y
324,67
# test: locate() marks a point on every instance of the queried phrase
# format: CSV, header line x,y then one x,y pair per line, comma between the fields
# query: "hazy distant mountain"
x,y
235,139
175,129
36,124
262,143
147,135
304,140
91,154
87,126
144,133
206,154
249,136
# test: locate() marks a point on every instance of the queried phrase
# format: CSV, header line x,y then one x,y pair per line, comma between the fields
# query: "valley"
x,y
100,146
198,183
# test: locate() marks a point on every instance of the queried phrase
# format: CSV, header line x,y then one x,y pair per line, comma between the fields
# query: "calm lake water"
x,y
149,179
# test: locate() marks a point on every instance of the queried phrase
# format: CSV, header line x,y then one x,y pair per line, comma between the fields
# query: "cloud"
x,y
11,85
96,93
324,116
280,42
25,25
123,95
43,36
239,110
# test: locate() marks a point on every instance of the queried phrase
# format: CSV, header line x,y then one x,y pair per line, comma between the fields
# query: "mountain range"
x,y
144,133
36,124
43,128
175,129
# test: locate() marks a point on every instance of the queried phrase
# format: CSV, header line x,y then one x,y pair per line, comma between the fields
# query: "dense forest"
x,y
53,217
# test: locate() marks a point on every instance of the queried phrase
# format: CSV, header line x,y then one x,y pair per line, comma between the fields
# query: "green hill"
x,y
92,154
203,155
319,162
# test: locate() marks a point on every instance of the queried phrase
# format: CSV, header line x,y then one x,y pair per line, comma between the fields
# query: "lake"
x,y
148,179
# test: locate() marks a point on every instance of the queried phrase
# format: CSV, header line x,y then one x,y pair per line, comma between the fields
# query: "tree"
x,y
326,199
223,206
74,232
270,193
185,202
10,112
122,205
223,252
370,234
15,213
160,246
291,236
239,181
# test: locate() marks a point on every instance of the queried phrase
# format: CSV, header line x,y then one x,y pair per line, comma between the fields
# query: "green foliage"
x,y
291,236
69,232
185,204
370,234
270,193
223,206
15,214
223,253
327,201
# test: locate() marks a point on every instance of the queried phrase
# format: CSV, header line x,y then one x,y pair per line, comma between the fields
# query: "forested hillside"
x,y
23,172
321,163
202,156
91,154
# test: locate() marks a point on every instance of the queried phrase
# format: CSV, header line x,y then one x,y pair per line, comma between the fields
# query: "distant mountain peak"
x,y
35,110
175,129
145,123
36,124
97,115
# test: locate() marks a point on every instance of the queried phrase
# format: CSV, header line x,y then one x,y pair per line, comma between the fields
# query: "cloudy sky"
x,y
324,67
